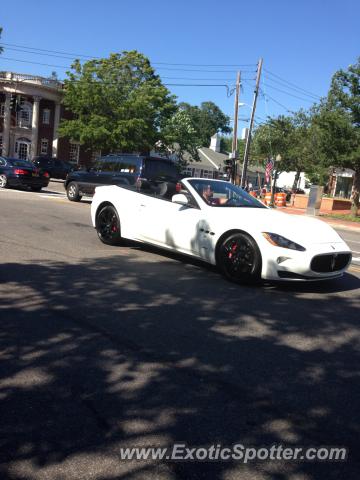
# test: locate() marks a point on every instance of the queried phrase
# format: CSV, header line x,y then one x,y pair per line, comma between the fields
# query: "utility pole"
x,y
248,139
235,139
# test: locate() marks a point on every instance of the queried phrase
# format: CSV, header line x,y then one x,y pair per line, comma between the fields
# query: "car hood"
x,y
300,229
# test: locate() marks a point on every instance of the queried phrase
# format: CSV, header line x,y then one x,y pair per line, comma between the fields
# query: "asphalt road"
x,y
103,347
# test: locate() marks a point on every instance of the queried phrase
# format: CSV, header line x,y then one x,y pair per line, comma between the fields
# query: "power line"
x,y
35,63
290,83
293,89
274,100
161,68
36,50
291,94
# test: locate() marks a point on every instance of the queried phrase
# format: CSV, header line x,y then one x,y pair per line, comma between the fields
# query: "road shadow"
x,y
108,353
348,282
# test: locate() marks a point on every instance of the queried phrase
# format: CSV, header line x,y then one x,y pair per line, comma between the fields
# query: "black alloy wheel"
x,y
239,259
72,192
108,225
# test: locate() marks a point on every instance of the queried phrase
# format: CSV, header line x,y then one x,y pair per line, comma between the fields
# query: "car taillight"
x,y
20,171
46,174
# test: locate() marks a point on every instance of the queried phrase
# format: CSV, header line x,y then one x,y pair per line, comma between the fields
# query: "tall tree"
x,y
276,137
206,120
118,103
342,116
1,48
179,137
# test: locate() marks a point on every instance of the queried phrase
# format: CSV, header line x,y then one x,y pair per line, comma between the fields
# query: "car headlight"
x,y
283,242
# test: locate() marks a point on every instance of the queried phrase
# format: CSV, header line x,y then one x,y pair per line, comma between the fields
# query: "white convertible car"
x,y
220,223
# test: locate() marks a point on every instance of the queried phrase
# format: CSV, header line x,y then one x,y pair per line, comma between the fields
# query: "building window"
x,y
1,146
24,116
74,152
44,146
2,110
46,116
188,172
207,174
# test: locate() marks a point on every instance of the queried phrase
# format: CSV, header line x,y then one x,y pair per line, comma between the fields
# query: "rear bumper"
x,y
36,182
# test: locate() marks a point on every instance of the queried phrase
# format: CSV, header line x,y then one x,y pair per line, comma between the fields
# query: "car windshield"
x,y
223,194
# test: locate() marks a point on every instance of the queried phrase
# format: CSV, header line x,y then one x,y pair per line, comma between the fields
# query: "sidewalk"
x,y
335,222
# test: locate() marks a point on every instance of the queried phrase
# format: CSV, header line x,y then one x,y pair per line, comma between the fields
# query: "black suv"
x,y
56,168
150,173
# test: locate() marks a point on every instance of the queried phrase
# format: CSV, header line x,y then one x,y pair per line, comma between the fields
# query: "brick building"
x,y
30,112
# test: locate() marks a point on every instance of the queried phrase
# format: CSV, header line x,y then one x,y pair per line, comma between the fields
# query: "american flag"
x,y
269,165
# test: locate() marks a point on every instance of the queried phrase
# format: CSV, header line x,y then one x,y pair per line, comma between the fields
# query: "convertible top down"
x,y
220,223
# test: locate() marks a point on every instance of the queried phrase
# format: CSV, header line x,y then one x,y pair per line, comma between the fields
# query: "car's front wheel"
x,y
72,191
107,224
3,180
239,258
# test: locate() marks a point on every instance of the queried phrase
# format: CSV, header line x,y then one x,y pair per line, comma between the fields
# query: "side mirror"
x,y
180,198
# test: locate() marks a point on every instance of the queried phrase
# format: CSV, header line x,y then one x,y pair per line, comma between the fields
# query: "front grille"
x,y
331,262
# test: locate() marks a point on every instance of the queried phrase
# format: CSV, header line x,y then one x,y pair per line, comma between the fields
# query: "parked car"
x,y
55,167
222,224
125,169
22,173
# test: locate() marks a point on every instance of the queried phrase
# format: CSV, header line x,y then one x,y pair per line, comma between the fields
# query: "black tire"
x,y
72,192
107,224
239,259
3,181
36,189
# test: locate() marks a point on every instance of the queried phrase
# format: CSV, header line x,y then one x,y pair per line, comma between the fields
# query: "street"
x,y
105,347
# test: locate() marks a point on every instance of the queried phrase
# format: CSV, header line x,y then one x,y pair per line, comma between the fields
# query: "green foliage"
x,y
206,120
345,91
191,128
179,137
338,123
118,104
226,144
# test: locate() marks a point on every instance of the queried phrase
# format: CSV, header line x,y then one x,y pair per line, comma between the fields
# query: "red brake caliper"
x,y
233,250
113,227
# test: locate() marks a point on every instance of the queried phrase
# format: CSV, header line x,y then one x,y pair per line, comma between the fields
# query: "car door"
x,y
94,177
57,169
177,227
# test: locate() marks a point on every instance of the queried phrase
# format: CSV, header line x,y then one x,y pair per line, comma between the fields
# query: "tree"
x,y
341,115
179,137
118,104
299,141
276,137
206,120
1,48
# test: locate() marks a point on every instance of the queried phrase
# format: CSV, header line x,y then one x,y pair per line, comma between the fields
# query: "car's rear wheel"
x,y
239,258
108,225
72,191
3,180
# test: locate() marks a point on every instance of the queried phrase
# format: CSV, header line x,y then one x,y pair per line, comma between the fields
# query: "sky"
x,y
196,43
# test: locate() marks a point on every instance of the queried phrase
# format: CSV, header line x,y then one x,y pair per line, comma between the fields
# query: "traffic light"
x,y
12,102
229,166
19,103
